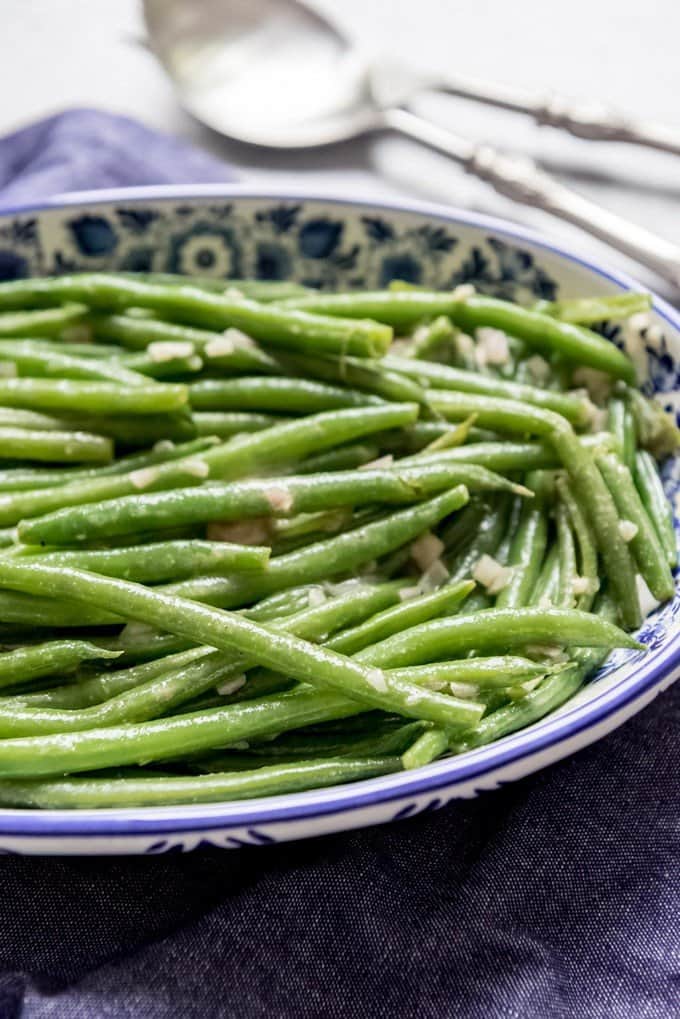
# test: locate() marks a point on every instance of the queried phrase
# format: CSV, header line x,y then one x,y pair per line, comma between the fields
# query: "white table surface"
x,y
60,53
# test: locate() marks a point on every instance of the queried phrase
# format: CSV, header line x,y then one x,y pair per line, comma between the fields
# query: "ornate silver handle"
x,y
519,178
594,121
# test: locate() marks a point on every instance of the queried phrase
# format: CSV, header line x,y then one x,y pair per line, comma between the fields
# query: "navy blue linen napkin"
x,y
557,896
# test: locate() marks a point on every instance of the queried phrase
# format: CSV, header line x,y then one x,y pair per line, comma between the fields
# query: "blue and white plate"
x,y
336,243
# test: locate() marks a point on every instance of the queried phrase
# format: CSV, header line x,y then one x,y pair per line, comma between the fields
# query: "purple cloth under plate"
x,y
83,149
557,897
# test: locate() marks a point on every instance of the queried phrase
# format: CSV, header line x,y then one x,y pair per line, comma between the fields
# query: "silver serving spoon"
x,y
274,73
593,121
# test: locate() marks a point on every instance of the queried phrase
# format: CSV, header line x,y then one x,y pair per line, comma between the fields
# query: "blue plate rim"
x,y
371,792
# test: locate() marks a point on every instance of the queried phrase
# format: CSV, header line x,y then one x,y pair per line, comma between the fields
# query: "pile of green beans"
x,y
248,549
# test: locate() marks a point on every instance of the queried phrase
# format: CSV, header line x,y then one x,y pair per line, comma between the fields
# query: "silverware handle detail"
x,y
594,121
518,178
598,123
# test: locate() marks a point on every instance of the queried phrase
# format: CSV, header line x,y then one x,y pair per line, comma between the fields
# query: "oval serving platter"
x,y
337,243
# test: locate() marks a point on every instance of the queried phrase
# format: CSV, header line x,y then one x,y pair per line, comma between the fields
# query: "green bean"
x,y
385,736
258,290
495,412
225,424
413,438
20,479
286,443
50,322
654,498
366,376
461,528
309,620
159,696
545,591
29,419
269,290
273,394
622,428
590,310
439,376
408,613
291,655
105,685
345,605
178,684
647,548
83,793
173,365
91,397
629,439
233,350
349,605
394,563
526,554
273,324
586,480
354,454
476,477
502,552
33,361
452,437
94,428
490,532
586,544
284,603
254,687
478,463
54,447
510,456
172,737
244,454
160,561
404,309
615,414
38,612
135,429
148,700
500,629
288,533
246,499
495,672
340,554
602,516
549,695
37,660
143,644
186,533
564,597
418,437
427,748
431,337
85,349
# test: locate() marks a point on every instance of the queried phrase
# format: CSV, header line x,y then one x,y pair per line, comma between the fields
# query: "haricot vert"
x,y
245,532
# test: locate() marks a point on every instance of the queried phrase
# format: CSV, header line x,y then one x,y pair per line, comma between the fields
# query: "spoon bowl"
x,y
267,72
